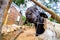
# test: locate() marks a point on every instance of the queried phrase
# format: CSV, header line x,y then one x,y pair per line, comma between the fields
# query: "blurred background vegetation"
x,y
18,2
52,4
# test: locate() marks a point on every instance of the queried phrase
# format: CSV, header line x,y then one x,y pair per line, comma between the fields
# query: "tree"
x,y
18,2
53,14
6,12
3,11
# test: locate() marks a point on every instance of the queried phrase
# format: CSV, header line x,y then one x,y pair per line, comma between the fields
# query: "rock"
x,y
10,28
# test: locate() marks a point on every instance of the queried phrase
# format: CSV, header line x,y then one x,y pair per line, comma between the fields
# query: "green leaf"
x,y
18,2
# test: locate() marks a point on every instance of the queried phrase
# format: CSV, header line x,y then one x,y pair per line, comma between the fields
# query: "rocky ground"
x,y
27,34
52,32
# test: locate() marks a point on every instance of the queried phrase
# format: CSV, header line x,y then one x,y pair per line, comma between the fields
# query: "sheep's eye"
x,y
30,13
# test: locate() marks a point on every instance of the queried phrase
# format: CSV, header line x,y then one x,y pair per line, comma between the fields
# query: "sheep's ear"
x,y
43,15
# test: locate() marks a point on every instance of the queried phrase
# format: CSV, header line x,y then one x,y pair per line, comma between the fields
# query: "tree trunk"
x,y
53,14
3,11
6,12
4,6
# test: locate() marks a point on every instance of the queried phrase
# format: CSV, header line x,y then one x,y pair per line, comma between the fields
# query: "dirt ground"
x,y
28,34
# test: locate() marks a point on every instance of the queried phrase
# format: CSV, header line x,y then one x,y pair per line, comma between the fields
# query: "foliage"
x,y
29,24
52,4
51,19
18,2
23,18
49,5
53,1
58,22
